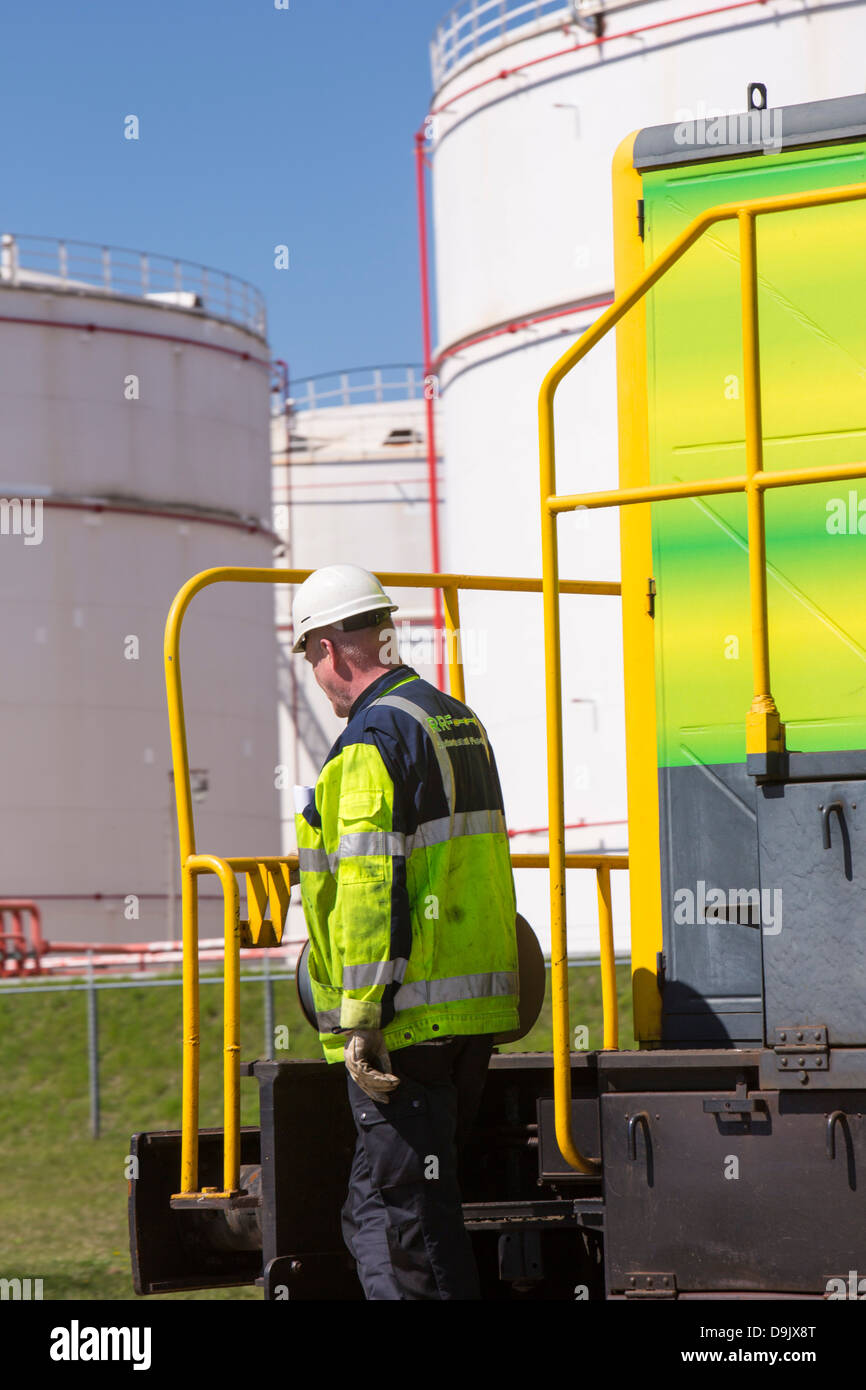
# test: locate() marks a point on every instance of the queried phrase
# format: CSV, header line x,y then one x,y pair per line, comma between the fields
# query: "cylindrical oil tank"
x,y
134,416
530,103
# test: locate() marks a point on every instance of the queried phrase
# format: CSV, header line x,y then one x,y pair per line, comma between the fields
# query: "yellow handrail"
x,y
764,730
226,869
602,863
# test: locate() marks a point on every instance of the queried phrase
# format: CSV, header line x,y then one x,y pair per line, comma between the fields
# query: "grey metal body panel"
x,y
821,767
809,123
790,1220
712,984
815,966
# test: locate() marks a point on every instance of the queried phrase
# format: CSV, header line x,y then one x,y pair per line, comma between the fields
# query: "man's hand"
x,y
369,1065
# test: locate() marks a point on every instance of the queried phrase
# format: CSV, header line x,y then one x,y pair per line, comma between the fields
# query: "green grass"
x,y
584,1010
63,1193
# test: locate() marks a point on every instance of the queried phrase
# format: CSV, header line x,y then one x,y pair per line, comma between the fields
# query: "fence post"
x,y
269,1008
93,1047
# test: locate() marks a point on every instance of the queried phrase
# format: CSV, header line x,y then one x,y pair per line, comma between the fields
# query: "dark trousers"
x,y
403,1219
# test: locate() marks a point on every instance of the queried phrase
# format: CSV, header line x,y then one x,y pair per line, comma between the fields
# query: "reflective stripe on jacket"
x,y
406,874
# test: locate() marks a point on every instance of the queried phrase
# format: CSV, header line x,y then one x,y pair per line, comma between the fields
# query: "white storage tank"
x,y
134,423
530,102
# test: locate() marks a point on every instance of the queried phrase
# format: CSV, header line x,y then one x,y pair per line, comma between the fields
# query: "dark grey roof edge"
x,y
781,127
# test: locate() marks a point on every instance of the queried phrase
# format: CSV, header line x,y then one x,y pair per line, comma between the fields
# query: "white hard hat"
x,y
329,595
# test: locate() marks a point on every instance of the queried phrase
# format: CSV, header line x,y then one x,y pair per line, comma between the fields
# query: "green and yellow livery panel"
x,y
730,887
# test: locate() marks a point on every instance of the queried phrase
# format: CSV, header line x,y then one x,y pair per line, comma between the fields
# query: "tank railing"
x,y
269,877
477,24
76,266
765,735
375,389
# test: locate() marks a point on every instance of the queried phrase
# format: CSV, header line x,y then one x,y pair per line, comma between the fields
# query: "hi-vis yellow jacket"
x,y
406,874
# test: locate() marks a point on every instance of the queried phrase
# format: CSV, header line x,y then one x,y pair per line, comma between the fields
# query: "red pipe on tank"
x,y
429,394
596,43
516,325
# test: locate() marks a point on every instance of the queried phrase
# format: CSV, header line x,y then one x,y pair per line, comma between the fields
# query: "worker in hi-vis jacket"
x,y
409,901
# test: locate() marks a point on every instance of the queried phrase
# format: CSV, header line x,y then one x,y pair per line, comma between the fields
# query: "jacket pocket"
x,y
397,1138
363,841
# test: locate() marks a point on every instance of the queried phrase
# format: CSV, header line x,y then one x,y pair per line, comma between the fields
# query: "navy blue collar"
x,y
380,687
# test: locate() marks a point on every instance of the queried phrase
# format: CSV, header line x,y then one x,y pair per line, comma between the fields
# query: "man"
x,y
409,901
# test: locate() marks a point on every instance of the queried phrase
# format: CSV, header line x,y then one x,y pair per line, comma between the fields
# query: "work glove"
x,y
369,1065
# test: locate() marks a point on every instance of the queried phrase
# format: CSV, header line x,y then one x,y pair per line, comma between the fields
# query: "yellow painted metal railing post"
x,y
555,792
189,896
609,1007
191,1033
764,733
456,680
195,865
231,1032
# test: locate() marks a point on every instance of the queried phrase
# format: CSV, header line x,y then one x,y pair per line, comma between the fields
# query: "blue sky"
x,y
257,127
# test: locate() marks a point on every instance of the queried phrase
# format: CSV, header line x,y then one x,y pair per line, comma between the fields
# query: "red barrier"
x,y
26,952
15,949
